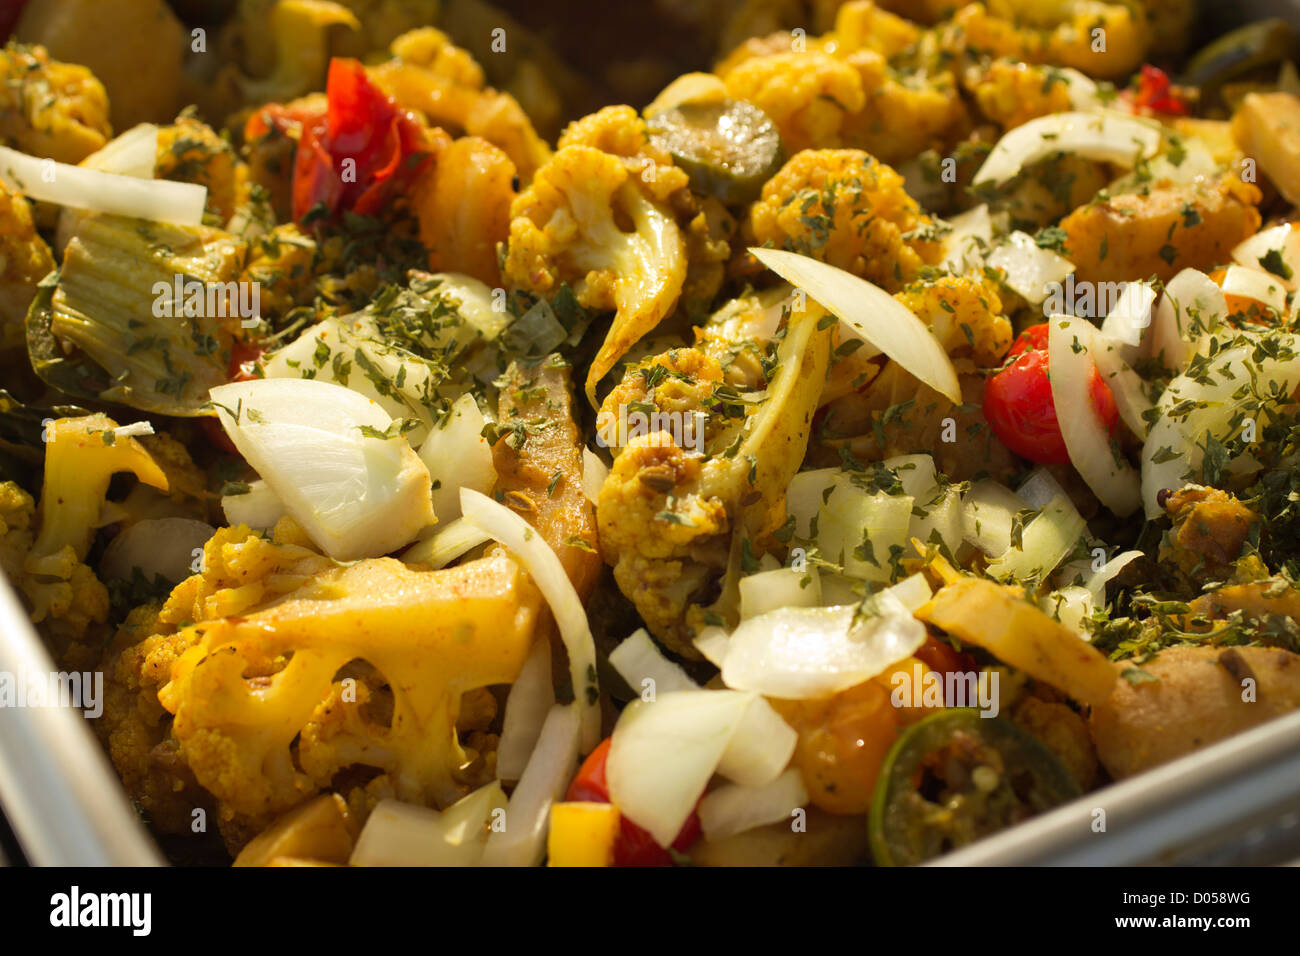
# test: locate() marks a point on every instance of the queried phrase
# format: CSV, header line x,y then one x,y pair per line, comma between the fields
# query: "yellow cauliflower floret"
x,y
964,314
25,260
281,262
619,131
81,457
429,74
1106,40
565,227
846,208
48,108
1011,92
241,570
190,151
807,95
672,516
863,25
903,114
17,511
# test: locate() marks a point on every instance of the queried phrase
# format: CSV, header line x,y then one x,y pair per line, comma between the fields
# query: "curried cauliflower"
x,y
1105,40
849,87
964,314
1162,231
25,260
17,511
429,74
82,455
565,227
241,570
672,519
1012,92
846,208
190,151
48,108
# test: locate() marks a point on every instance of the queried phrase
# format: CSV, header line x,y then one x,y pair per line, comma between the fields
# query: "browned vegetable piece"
x,y
1199,695
1267,128
1018,633
319,831
1161,232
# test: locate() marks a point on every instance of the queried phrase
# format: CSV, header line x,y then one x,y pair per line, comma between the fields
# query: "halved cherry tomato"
x,y
1018,402
363,150
1156,94
943,658
634,846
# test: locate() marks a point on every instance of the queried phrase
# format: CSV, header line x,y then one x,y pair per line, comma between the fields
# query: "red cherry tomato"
x,y
633,846
362,150
1155,93
1018,402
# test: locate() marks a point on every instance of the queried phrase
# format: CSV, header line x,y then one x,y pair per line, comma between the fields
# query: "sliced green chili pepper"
x,y
728,149
956,777
1237,53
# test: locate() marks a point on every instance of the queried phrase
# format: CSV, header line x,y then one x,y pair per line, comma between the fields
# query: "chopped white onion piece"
x,y
734,808
1192,305
783,587
1103,137
712,643
1072,606
1254,283
401,834
1030,270
594,473
662,755
638,659
316,445
523,840
965,245
760,748
1281,242
988,512
157,199
802,653
1130,316
1045,542
1040,489
1069,356
259,507
450,541
916,473
1126,386
159,547
519,536
1195,408
1096,582
458,456
871,313
531,698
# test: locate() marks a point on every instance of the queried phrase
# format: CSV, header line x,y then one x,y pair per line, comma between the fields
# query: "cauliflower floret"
x,y
48,108
1105,40
82,455
17,510
619,131
808,95
281,263
1210,528
190,151
843,89
1012,92
1161,231
964,314
846,208
670,518
428,73
25,260
241,570
565,228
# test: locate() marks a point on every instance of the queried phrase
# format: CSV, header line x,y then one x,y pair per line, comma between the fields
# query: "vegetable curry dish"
x,y
451,450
